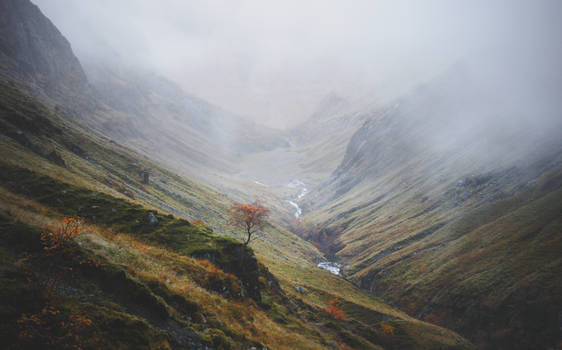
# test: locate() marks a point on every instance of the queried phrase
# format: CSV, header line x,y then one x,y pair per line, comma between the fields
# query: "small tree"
x,y
251,217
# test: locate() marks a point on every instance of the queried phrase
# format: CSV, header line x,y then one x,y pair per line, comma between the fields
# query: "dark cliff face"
x,y
33,51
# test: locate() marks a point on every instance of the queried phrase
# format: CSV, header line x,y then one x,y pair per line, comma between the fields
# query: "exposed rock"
x,y
33,50
56,158
152,219
145,177
300,290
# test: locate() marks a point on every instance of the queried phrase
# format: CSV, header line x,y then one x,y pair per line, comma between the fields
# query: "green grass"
x,y
479,258
130,273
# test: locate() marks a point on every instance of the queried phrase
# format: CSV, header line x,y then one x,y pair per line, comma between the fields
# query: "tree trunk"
x,y
249,236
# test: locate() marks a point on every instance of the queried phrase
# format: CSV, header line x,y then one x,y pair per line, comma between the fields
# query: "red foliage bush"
x,y
334,310
56,329
66,231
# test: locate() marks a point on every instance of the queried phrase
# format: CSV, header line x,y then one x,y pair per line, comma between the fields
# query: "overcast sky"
x,y
274,60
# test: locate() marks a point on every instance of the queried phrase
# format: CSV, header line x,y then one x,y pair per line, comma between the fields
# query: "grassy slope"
x,y
406,235
172,298
500,271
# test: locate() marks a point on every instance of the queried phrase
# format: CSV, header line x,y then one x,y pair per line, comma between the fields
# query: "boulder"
x,y
152,219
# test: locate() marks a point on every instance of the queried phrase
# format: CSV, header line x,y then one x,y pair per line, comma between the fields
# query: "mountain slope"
x,y
438,188
168,121
148,260
133,266
139,109
32,50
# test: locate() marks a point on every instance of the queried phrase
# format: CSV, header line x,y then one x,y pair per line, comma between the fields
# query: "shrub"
x,y
60,237
52,328
334,310
386,328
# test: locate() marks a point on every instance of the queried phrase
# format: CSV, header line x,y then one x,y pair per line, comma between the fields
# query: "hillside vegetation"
x,y
442,208
458,227
139,266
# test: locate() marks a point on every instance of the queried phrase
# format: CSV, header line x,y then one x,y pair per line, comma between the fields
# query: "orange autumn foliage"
x,y
251,217
334,311
386,328
220,281
58,330
67,229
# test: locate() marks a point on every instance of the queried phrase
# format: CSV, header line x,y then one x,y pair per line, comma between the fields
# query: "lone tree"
x,y
251,217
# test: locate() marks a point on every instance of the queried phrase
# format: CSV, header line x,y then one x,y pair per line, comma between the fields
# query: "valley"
x,y
427,221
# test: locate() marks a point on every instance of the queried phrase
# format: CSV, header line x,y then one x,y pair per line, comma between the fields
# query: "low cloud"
x,y
273,61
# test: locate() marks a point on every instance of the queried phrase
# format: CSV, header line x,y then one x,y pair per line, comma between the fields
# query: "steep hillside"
x,y
455,219
116,187
182,131
33,50
138,109
139,266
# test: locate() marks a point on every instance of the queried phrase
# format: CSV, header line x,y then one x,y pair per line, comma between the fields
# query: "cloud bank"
x,y
274,60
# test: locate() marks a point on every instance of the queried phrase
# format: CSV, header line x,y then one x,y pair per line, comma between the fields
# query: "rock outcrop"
x,y
33,51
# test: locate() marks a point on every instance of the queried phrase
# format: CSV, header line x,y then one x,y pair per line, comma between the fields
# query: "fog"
x,y
274,61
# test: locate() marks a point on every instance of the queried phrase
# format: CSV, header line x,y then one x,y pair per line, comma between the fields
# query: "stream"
x,y
333,267
297,184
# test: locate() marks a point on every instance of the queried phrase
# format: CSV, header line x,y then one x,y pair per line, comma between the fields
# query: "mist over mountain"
x,y
407,157
276,62
457,115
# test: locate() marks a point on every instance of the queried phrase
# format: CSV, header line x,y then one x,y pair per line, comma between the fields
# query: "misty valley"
x,y
278,175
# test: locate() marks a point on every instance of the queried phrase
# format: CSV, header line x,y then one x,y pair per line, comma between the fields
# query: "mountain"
x,y
102,246
315,147
181,130
447,204
33,51
137,108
